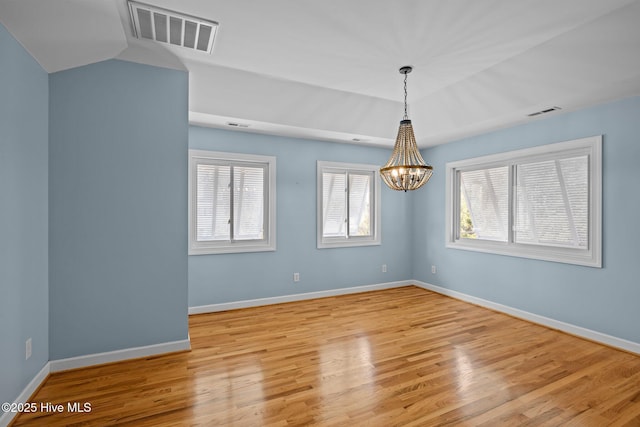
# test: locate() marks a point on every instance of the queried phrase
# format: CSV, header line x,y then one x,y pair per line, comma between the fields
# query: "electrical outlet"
x,y
433,269
27,349
384,268
296,277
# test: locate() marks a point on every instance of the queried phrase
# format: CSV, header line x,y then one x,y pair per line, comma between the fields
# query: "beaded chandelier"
x,y
406,170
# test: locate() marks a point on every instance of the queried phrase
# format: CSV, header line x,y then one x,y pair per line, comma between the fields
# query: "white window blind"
x,y
213,202
486,194
542,202
348,205
248,202
334,204
232,206
552,202
360,204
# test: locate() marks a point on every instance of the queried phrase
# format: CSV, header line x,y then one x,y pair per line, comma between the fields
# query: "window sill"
x,y
329,244
231,249
586,258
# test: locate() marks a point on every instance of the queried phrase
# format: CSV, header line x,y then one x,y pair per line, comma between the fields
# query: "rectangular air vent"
x,y
545,111
237,125
174,28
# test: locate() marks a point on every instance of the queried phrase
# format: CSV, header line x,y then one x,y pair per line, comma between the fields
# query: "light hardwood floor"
x,y
405,357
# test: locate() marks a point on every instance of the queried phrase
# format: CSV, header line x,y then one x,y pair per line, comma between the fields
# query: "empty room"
x,y
331,213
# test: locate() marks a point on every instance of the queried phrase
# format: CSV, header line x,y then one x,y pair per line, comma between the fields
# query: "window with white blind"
x,y
348,205
542,203
231,202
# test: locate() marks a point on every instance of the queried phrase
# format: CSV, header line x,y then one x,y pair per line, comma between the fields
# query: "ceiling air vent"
x,y
237,125
174,28
548,110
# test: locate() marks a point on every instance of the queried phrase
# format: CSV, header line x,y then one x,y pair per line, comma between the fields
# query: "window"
x,y
542,203
231,202
348,205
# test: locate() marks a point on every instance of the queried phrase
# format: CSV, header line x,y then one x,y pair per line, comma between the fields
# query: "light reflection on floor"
x,y
345,368
228,391
464,371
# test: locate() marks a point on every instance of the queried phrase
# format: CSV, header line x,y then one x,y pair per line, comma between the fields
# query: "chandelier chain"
x,y
406,117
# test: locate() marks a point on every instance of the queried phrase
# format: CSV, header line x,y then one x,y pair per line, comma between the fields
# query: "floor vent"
x,y
174,28
548,110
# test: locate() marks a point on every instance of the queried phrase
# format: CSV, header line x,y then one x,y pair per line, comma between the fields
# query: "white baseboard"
x,y
90,360
119,355
212,308
569,328
7,417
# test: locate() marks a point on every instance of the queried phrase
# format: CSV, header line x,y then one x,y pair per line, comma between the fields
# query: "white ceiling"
x,y
328,69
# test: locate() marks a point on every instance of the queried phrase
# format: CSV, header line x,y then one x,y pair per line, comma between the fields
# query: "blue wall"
x,y
24,302
235,277
604,300
117,198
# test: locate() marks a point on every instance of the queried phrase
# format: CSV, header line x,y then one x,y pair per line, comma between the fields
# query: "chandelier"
x,y
405,170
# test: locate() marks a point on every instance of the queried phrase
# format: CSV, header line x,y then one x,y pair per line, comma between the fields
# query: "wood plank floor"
x,y
397,357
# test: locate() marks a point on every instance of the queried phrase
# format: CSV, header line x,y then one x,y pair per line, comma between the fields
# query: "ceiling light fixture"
x,y
406,170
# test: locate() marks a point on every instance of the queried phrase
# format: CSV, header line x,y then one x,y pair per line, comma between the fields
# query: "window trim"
x,y
591,257
237,246
350,241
